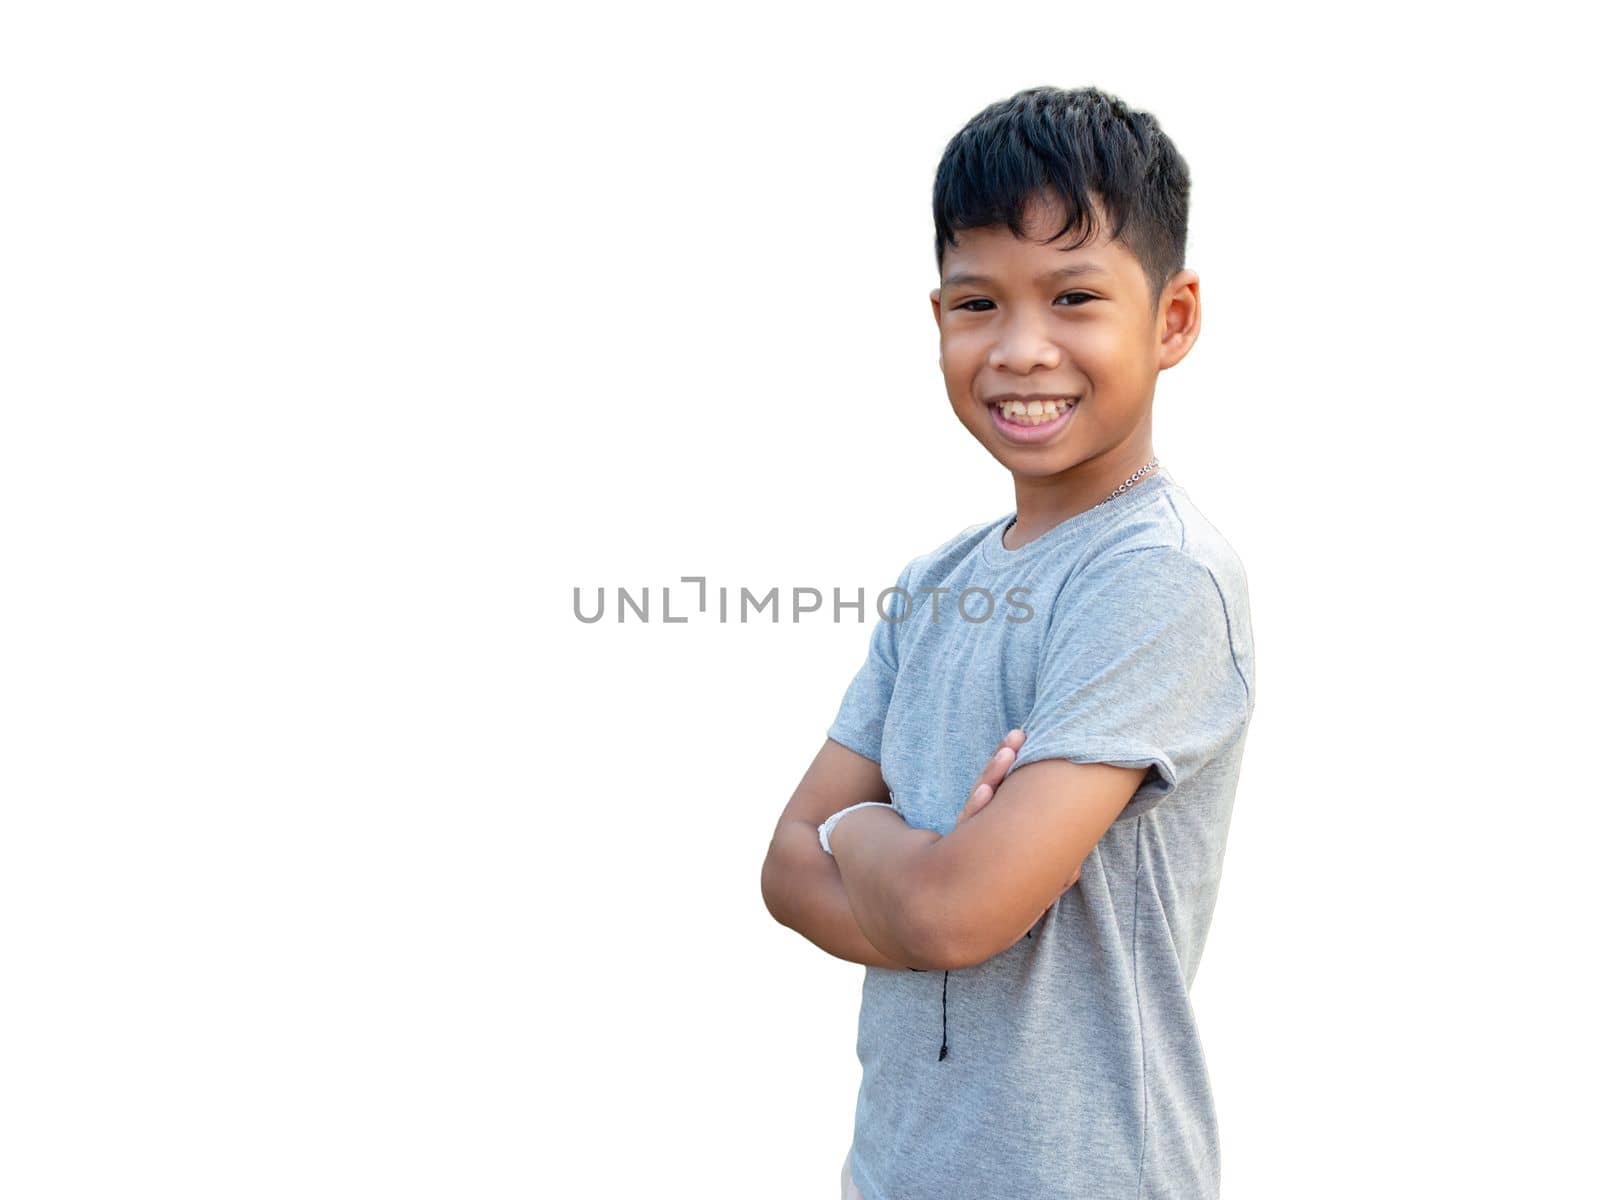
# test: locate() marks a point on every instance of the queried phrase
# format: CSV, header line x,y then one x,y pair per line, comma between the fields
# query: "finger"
x,y
999,763
1012,741
980,796
994,772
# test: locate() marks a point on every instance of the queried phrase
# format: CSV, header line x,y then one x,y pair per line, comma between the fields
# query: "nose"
x,y
1023,345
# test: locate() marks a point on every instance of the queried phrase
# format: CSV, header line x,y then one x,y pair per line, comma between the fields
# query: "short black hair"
x,y
1074,143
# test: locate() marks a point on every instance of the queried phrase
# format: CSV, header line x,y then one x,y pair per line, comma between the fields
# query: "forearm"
x,y
805,892
882,861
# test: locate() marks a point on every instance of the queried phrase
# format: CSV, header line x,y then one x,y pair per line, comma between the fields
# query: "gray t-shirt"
x,y
1068,1065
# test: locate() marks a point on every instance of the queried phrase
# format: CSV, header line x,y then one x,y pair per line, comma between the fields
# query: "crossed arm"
x,y
892,895
801,883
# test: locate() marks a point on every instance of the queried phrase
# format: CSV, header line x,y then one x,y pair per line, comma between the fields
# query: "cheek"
x,y
1098,347
962,356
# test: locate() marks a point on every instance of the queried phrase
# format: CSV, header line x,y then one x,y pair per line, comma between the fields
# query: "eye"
x,y
1080,299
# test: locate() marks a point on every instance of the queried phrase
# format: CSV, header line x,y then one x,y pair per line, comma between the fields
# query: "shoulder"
x,y
1167,573
1146,584
1170,542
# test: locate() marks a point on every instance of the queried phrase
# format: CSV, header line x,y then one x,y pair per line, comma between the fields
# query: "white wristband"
x,y
826,827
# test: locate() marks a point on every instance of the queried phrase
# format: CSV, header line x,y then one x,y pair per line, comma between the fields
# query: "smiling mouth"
x,y
1033,412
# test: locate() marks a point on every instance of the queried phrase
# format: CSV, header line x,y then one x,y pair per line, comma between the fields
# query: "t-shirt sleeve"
x,y
1138,670
859,721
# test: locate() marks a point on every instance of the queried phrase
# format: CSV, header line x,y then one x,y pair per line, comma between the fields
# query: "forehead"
x,y
993,251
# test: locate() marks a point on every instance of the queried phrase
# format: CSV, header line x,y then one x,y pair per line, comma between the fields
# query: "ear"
x,y
938,319
1178,319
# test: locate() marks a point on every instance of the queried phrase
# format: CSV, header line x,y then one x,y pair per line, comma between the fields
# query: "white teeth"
x,y
1034,412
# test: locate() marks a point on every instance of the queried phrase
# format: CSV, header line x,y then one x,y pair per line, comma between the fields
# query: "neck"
x,y
1042,504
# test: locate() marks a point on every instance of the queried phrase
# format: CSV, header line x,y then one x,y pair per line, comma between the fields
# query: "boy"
x,y
1031,918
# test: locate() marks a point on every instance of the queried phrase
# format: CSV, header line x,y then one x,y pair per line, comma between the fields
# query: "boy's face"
x,y
1021,317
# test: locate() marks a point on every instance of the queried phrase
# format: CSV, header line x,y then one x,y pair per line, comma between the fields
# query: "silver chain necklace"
x,y
1124,486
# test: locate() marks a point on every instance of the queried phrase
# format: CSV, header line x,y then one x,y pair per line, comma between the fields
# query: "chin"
x,y
1039,466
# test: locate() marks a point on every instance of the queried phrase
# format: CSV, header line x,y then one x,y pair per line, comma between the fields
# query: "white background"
x,y
342,342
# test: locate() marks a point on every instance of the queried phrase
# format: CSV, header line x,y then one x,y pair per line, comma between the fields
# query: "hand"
x,y
993,772
990,778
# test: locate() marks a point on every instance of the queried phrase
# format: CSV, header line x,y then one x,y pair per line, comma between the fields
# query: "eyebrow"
x,y
1068,272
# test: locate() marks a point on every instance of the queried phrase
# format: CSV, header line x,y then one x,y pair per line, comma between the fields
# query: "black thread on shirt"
x,y
944,1004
